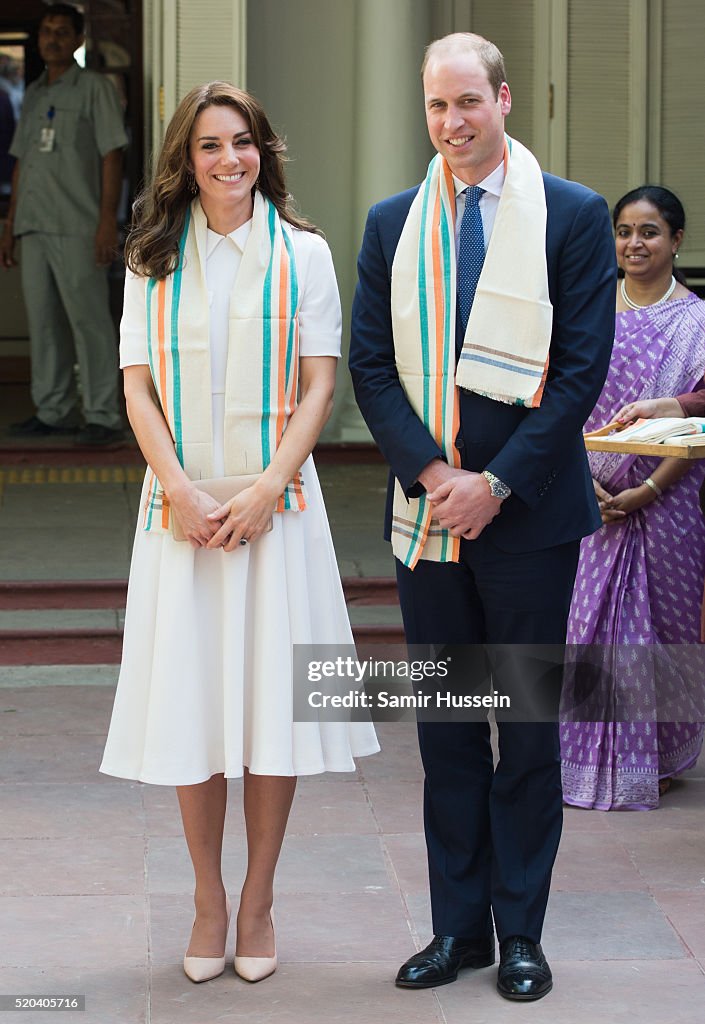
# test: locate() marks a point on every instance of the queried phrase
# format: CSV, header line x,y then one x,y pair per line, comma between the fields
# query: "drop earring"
x,y
191,184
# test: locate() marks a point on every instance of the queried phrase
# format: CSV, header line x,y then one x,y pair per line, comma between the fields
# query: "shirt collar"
x,y
238,237
67,77
493,183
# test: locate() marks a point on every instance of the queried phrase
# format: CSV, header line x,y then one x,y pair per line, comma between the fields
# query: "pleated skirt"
x,y
206,681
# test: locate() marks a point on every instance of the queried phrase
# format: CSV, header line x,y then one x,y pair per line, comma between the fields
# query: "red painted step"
x,y
39,594
104,646
91,646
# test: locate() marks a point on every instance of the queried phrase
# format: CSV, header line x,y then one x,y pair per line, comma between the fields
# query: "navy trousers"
x,y
492,833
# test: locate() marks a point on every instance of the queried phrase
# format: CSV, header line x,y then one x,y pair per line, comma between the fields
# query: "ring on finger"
x,y
243,541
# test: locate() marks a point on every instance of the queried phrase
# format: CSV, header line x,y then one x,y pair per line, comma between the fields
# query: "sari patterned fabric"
x,y
640,581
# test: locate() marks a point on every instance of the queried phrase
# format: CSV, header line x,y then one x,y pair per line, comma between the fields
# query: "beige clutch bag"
x,y
221,488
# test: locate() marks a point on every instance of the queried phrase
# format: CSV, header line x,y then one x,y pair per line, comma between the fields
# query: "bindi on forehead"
x,y
640,224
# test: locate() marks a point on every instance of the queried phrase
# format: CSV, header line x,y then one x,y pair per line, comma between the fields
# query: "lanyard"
x,y
47,134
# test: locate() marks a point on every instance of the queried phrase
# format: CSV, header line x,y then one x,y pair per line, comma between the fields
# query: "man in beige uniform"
x,y
66,188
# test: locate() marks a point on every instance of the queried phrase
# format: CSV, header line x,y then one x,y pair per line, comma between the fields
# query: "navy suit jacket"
x,y
540,452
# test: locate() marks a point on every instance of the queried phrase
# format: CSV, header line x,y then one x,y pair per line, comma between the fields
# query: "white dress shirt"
x,y
493,185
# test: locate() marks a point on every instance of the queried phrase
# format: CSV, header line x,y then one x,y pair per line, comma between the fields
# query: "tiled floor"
x,y
95,891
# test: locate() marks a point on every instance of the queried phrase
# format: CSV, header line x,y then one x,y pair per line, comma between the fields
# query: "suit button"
x,y
459,443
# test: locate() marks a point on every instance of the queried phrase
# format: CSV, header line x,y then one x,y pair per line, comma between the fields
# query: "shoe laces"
x,y
522,948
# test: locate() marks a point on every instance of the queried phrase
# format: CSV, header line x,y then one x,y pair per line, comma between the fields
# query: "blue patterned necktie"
x,y
471,252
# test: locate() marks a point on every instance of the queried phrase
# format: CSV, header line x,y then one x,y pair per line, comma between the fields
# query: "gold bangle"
x,y
654,486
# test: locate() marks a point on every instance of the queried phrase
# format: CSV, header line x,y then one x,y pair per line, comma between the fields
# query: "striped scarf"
x,y
263,356
505,349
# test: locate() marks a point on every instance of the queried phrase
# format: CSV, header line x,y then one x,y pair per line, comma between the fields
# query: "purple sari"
x,y
640,581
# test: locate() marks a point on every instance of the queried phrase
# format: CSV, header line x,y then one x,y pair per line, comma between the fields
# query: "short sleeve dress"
x,y
205,684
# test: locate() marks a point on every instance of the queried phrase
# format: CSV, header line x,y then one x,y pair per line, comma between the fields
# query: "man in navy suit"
x,y
520,503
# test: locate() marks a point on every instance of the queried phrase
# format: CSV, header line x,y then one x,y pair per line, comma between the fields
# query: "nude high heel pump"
x,y
256,968
205,968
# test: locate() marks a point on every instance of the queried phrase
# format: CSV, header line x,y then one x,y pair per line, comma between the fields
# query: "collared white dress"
x,y
205,683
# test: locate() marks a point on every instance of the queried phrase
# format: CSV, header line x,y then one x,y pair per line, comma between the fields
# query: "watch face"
x,y
497,488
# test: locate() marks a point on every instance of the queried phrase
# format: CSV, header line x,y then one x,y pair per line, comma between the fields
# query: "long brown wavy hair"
x,y
159,212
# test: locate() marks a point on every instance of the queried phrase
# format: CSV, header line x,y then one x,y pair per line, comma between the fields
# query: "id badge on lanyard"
x,y
47,135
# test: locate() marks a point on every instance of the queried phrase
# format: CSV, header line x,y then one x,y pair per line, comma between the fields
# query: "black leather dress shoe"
x,y
95,435
524,973
34,427
440,961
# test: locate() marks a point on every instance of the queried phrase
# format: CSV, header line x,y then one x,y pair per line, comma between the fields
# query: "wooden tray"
x,y
663,451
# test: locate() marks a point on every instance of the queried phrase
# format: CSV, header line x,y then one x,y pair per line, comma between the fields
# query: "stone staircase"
x,y
80,622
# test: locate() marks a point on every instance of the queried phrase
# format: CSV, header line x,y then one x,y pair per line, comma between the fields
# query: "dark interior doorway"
x,y
113,48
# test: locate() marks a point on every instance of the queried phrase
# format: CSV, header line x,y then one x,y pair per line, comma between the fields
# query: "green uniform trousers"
x,y
66,296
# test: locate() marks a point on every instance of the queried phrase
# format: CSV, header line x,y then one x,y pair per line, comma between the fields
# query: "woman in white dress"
x,y
229,341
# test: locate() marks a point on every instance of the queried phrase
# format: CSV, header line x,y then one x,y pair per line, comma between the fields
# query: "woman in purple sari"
x,y
640,576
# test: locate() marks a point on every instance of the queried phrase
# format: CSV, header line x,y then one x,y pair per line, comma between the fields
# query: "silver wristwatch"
x,y
497,488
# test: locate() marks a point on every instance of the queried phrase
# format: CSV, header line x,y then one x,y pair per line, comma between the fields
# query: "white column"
x,y
190,43
391,147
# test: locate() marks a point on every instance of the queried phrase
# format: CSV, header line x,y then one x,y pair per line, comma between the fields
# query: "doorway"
x,y
114,47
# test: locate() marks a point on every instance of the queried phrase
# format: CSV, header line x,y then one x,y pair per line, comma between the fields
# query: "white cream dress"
x,y
205,684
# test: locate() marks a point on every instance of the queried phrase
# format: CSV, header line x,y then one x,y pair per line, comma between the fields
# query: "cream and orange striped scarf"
x,y
505,349
263,356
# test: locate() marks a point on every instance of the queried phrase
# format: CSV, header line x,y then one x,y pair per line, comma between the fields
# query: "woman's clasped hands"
x,y
192,507
604,501
242,519
614,508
